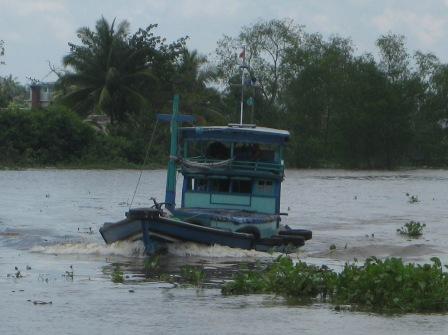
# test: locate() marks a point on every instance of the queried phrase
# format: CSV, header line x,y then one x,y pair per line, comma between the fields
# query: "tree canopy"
x,y
2,51
343,108
117,73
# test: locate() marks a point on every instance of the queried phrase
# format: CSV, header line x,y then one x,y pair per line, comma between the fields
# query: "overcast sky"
x,y
37,31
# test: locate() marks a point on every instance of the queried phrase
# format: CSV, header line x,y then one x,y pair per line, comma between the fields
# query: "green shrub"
x,y
43,136
58,137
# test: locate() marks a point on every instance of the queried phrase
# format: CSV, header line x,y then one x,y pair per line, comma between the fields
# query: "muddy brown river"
x,y
49,221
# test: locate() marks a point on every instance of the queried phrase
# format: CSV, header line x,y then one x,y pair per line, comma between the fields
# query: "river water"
x,y
49,221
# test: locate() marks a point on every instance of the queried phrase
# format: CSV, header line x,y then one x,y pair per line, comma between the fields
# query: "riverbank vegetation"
x,y
342,108
58,137
386,286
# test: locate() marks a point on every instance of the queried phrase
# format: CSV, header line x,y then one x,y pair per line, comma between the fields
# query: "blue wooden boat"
x,y
231,191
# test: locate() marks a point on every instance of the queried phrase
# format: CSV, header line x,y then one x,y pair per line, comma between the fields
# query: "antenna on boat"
x,y
243,66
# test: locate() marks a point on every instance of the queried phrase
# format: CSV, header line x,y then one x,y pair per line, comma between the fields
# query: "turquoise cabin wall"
x,y
259,204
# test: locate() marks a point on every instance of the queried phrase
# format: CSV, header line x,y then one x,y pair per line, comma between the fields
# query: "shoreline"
x,y
158,166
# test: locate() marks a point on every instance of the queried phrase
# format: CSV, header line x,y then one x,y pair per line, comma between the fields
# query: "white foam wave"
x,y
122,248
137,249
216,251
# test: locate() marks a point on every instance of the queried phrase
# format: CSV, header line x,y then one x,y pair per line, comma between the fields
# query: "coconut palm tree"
x,y
193,74
107,74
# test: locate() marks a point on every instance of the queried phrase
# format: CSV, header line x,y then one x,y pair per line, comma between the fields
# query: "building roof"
x,y
236,133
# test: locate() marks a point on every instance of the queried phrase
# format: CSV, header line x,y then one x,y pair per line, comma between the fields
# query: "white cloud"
x,y
33,7
324,24
427,28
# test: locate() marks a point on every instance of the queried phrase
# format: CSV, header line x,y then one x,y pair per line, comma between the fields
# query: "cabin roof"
x,y
241,134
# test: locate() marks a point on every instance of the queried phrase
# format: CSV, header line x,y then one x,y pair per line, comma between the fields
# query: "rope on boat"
x,y
204,165
144,161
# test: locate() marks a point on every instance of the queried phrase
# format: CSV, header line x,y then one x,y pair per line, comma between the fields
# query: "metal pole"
x,y
242,95
170,195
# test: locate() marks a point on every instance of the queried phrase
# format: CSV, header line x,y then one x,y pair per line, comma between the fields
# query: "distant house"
x,y
41,94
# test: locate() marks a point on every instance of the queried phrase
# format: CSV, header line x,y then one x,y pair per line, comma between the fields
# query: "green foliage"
x,y
299,281
412,199
2,51
380,286
116,73
117,275
391,285
394,56
57,136
152,264
12,94
341,108
412,229
42,136
193,275
266,43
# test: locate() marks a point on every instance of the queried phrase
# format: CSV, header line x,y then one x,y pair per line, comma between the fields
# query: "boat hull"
x,y
153,227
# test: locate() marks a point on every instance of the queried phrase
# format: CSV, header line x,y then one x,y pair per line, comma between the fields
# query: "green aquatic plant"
x,y
379,286
412,199
151,264
193,275
393,286
117,275
412,229
299,281
69,274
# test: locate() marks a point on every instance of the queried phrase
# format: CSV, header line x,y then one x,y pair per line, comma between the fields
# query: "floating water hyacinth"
x,y
117,275
379,286
412,229
193,275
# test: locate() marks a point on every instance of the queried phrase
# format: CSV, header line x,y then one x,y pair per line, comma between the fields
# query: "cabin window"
x,y
219,185
254,152
211,150
265,187
217,150
199,184
242,186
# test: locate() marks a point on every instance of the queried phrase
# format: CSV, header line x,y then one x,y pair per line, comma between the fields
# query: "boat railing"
x,y
256,166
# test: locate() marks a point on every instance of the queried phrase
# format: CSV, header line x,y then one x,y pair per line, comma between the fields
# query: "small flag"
x,y
243,54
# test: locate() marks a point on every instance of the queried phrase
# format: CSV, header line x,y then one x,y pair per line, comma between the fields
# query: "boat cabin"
x,y
238,167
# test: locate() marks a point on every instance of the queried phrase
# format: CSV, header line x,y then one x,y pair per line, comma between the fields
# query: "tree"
x,y
430,135
2,50
11,92
394,56
343,109
314,95
113,72
266,43
193,74
403,95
